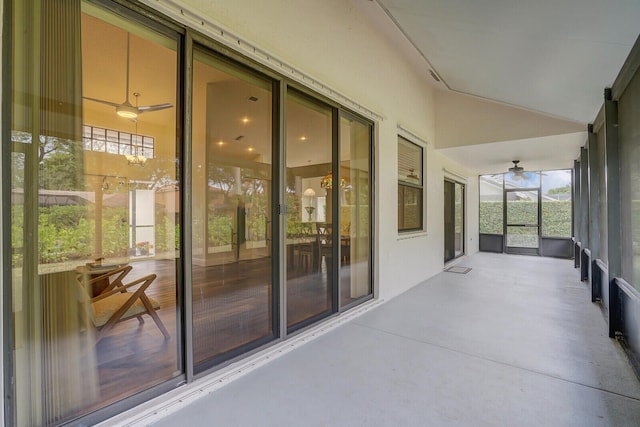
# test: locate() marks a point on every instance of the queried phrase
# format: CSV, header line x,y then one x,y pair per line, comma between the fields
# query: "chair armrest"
x,y
146,281
121,271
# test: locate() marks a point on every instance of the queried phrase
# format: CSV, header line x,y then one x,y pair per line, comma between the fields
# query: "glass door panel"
x,y
85,244
523,220
449,221
309,194
232,208
453,220
355,210
522,237
458,219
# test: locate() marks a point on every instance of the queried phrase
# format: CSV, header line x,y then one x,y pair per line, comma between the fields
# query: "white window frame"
x,y
412,138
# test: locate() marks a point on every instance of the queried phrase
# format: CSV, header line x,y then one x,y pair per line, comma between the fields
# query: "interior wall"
x,y
335,42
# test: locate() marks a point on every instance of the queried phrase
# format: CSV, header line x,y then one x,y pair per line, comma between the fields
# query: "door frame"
x,y
514,249
464,218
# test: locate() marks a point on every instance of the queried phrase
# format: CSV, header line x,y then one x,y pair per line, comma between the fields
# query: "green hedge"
x,y
491,218
556,217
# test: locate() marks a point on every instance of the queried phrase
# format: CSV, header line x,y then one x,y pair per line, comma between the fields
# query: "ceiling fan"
x,y
126,109
517,171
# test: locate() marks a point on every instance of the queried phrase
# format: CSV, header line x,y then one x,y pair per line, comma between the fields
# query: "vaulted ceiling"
x,y
548,60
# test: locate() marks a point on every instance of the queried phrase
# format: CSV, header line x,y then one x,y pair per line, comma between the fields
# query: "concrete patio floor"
x,y
514,342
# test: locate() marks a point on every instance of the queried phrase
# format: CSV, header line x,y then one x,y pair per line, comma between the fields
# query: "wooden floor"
x,y
232,308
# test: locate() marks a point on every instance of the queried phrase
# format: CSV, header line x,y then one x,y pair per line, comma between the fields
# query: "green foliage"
x,y
491,217
560,190
61,162
17,237
220,227
64,233
556,217
164,241
115,232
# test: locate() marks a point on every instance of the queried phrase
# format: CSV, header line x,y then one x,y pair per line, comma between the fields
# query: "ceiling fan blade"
x,y
102,101
157,107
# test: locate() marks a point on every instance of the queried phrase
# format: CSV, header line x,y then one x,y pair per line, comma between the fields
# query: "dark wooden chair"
x,y
324,239
119,302
305,256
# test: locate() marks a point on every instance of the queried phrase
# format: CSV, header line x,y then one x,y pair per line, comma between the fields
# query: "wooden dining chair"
x,y
324,240
120,302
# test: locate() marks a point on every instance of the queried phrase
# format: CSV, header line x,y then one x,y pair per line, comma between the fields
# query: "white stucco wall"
x,y
335,42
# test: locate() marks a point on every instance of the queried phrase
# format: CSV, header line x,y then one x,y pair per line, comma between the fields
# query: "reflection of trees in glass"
x,y
220,228
226,196
222,178
167,233
17,237
257,214
61,164
115,232
68,232
220,210
294,205
64,233
458,209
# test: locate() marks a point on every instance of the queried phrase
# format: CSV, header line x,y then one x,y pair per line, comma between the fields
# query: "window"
x,y
556,204
491,204
112,141
629,128
410,186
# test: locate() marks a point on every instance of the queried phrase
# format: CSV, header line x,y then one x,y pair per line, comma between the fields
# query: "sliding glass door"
x,y
231,194
95,209
453,220
130,275
310,188
355,210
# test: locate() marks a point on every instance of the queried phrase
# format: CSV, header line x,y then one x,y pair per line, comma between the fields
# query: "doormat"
x,y
456,269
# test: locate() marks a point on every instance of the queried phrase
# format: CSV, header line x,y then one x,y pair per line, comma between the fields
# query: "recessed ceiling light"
x,y
250,149
303,138
221,142
245,120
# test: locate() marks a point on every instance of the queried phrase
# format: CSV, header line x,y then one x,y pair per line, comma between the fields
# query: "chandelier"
x,y
327,182
136,159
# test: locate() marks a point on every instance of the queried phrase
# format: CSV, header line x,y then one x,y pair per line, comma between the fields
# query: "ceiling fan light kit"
x,y
517,171
127,111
